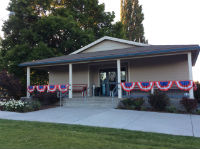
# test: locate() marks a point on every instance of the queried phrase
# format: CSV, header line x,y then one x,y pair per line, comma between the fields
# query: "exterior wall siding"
x,y
79,75
94,75
145,69
58,77
159,69
107,45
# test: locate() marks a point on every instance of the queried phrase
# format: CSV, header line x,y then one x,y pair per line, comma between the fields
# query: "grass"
x,y
31,135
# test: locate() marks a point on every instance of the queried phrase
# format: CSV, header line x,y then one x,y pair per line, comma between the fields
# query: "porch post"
x,y
119,79
88,89
152,90
28,81
70,80
191,93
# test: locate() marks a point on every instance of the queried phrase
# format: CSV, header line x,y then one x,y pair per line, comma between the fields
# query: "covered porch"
x,y
104,77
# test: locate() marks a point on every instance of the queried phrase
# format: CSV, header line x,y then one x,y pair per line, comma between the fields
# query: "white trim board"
x,y
109,38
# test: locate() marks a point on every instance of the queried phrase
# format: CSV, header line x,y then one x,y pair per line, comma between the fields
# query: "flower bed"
x,y
19,106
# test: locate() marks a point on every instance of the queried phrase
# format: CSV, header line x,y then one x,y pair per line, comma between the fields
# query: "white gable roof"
x,y
111,39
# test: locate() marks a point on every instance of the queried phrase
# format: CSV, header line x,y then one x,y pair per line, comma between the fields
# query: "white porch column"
x,y
129,71
88,89
28,81
191,92
119,79
70,80
152,90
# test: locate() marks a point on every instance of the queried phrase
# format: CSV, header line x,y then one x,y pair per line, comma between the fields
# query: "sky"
x,y
165,22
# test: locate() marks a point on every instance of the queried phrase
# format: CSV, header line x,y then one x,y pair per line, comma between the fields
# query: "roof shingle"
x,y
113,54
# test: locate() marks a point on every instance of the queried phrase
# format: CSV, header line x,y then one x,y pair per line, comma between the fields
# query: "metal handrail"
x,y
114,90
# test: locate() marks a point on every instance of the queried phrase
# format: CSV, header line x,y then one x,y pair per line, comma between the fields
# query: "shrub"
x,y
159,101
172,109
131,103
128,102
189,104
198,112
138,102
144,108
121,105
19,106
197,92
36,105
46,98
12,105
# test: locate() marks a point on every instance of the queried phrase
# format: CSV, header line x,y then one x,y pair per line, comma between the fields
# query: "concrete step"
x,y
114,100
91,98
91,102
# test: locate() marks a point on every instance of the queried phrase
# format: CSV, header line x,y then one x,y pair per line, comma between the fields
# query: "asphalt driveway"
x,y
176,124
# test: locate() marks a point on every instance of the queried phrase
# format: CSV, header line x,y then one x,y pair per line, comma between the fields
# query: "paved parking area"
x,y
176,124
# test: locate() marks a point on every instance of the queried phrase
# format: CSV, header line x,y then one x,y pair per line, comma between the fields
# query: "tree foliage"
x,y
132,18
9,85
38,29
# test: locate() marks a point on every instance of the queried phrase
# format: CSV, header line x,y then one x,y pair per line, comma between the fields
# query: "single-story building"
x,y
108,61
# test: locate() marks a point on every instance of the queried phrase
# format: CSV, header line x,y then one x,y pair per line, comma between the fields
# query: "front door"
x,y
108,80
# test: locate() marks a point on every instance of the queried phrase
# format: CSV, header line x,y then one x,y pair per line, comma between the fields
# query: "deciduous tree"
x,y
38,29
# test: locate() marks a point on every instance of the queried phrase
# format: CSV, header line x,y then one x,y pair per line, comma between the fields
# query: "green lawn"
x,y
22,134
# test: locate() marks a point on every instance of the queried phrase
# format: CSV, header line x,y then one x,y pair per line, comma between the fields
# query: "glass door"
x,y
108,80
103,82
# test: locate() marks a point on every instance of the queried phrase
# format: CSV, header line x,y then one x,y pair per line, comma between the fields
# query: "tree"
x,y
38,29
0,43
132,18
1,57
9,85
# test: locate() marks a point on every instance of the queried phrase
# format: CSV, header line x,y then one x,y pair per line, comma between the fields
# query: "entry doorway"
x,y
108,80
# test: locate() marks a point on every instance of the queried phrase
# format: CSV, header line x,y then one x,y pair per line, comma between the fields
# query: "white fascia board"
x,y
109,38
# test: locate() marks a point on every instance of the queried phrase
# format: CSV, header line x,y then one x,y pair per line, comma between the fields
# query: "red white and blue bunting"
x,y
184,85
41,88
128,86
63,88
31,89
145,86
164,85
51,88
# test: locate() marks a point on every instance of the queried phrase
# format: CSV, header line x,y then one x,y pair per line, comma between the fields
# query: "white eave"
x,y
109,38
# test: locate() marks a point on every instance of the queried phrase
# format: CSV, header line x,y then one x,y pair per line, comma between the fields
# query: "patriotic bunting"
x,y
52,88
145,86
184,85
41,88
128,86
164,85
31,89
63,88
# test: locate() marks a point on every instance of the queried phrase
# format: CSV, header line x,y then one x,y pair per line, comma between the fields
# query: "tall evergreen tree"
x,y
132,18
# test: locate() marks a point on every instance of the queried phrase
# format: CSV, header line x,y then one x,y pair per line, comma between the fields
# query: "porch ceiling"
x,y
119,53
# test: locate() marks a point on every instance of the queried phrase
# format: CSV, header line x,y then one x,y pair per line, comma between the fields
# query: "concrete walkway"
x,y
175,124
